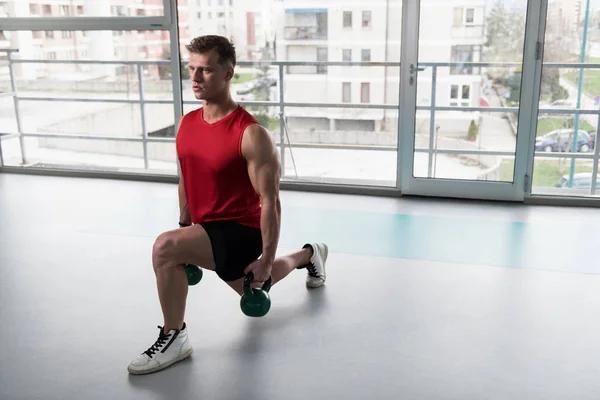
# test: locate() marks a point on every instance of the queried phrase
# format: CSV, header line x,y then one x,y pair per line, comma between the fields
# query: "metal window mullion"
x,y
84,137
77,100
281,121
407,96
530,92
13,85
95,62
175,68
84,24
596,159
168,13
431,121
143,115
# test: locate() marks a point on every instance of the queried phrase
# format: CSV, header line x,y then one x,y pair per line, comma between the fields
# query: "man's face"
x,y
209,78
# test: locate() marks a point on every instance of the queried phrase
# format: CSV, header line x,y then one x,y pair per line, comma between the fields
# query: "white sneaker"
x,y
168,349
316,269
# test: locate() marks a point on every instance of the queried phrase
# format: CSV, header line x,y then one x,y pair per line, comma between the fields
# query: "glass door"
x,y
469,69
565,154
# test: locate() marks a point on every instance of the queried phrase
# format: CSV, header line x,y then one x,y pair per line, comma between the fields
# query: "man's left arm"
x,y
264,169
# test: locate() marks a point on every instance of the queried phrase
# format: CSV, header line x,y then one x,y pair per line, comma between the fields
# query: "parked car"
x,y
563,104
560,141
581,180
559,104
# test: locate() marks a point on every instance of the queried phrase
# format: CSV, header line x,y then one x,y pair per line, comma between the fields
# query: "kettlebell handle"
x,y
250,277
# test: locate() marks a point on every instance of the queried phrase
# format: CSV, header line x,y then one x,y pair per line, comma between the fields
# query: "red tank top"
x,y
215,174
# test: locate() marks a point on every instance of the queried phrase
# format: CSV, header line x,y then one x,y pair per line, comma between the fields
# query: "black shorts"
x,y
234,247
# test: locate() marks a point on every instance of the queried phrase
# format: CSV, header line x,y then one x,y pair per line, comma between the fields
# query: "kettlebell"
x,y
194,274
255,302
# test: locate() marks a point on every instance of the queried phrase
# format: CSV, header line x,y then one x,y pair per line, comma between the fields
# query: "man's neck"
x,y
216,110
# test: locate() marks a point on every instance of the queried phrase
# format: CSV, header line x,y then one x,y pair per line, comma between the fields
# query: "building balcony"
x,y
305,33
470,31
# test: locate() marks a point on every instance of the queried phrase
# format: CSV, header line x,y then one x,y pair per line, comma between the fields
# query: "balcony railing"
x,y
304,33
428,144
468,31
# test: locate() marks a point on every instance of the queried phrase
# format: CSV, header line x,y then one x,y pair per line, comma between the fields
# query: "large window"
x,y
108,98
111,115
110,101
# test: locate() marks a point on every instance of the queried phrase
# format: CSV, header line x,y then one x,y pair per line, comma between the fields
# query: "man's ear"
x,y
229,73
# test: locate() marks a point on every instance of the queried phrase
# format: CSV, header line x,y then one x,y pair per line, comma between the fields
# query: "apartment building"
x,y
86,45
246,23
343,30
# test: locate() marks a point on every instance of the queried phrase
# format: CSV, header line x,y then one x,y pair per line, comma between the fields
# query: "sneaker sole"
x,y
315,285
162,366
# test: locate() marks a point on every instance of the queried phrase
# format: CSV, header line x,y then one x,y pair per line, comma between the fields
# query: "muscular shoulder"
x,y
257,144
187,117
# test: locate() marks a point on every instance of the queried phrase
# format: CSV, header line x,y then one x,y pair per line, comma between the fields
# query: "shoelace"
x,y
162,339
312,270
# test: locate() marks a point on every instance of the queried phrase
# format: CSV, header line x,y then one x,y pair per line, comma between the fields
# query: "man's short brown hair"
x,y
224,48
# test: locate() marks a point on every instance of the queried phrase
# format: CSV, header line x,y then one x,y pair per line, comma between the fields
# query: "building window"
x,y
209,16
466,92
220,15
208,3
464,54
64,11
464,16
322,54
470,17
47,9
67,34
366,19
49,34
347,19
347,55
454,92
346,92
199,15
221,3
199,3
366,55
79,10
231,2
465,95
365,92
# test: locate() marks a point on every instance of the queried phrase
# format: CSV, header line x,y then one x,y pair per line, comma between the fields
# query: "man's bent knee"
x,y
188,245
163,250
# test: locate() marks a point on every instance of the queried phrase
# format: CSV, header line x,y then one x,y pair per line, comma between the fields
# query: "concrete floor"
x,y
406,321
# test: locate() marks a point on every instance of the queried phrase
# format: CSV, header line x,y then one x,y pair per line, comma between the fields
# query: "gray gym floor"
x,y
402,316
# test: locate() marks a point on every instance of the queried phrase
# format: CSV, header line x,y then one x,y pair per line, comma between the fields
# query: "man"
x,y
229,204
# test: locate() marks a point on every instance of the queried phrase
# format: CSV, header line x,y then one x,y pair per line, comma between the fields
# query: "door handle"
x,y
413,69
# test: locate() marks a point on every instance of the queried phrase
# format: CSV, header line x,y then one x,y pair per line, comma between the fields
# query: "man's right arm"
x,y
184,213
